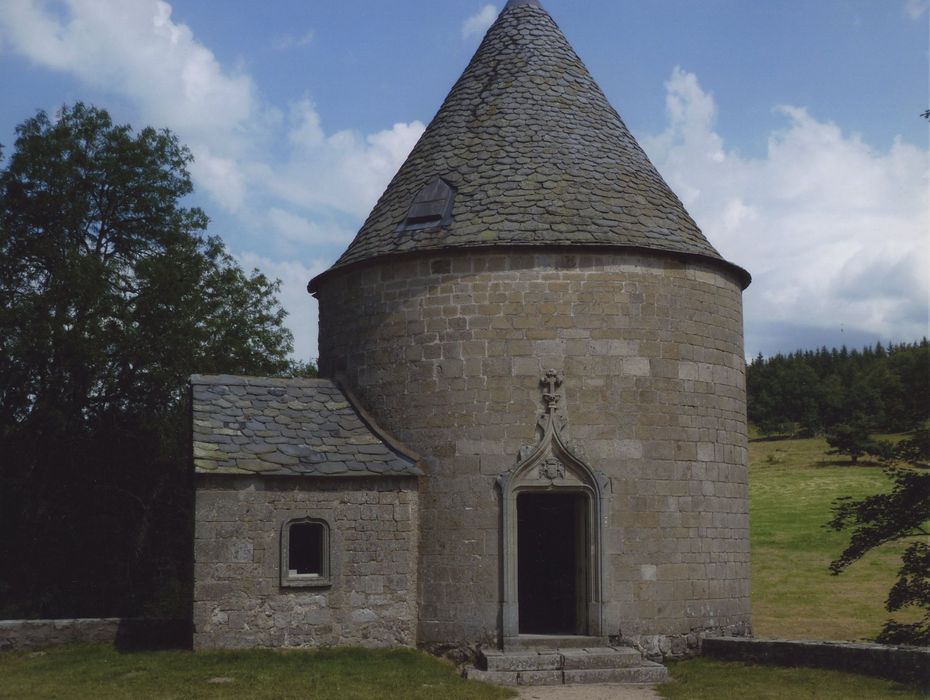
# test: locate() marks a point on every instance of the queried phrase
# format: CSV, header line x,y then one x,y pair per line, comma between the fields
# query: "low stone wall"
x,y
125,633
29,634
905,664
667,647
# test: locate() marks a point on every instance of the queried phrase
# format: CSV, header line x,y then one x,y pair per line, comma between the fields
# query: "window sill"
x,y
306,582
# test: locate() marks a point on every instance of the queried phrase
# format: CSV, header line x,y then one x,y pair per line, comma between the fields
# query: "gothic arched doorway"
x,y
553,518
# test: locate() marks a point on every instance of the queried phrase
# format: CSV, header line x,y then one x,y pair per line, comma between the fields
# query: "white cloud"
x,y
833,230
915,8
135,49
300,306
344,171
479,22
293,227
219,176
306,129
289,41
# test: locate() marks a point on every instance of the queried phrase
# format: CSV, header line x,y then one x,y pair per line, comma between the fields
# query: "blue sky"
x,y
789,128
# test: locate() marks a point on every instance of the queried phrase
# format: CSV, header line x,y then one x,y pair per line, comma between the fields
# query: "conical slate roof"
x,y
532,154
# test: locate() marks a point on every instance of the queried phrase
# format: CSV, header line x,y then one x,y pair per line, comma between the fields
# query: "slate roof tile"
x,y
286,427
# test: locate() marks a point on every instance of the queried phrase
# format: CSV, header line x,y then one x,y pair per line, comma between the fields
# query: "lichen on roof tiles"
x,y
286,427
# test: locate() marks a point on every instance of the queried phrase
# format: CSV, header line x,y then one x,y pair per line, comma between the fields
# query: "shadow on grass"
x,y
847,464
140,634
774,438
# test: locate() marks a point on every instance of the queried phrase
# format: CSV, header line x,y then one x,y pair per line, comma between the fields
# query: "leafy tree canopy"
x,y
901,514
110,297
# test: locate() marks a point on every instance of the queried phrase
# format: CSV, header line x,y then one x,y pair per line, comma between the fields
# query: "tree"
x,y
110,297
849,439
915,449
875,520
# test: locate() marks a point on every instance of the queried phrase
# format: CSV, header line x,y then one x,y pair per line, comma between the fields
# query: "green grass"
x,y
99,672
698,679
792,484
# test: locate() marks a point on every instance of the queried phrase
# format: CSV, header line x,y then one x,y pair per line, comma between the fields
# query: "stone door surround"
x,y
553,465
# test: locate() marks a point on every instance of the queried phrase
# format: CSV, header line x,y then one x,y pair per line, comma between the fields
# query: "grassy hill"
x,y
792,484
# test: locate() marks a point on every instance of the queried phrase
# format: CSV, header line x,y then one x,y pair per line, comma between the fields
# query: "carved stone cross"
x,y
551,381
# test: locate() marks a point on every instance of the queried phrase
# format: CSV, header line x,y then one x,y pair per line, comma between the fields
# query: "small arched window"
x,y
305,548
431,208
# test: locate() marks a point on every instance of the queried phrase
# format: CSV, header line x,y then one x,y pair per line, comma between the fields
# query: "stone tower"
x,y
530,308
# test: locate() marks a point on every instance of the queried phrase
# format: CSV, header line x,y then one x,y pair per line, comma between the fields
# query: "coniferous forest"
x,y
882,389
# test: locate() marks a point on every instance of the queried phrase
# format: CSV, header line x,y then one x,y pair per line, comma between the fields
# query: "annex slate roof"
x,y
537,157
289,427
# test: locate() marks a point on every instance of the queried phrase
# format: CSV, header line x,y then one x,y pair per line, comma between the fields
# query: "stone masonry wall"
x,y
128,633
31,634
446,351
238,599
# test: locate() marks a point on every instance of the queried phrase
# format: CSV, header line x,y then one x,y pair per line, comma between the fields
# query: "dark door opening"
x,y
551,583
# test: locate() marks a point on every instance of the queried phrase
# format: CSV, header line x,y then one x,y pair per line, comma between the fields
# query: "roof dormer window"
x,y
431,208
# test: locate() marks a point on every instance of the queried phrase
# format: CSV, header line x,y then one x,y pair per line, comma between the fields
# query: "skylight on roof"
x,y
431,208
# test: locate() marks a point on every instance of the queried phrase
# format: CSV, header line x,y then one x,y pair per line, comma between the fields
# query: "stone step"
x,y
647,673
555,666
496,660
564,659
600,658
515,677
552,641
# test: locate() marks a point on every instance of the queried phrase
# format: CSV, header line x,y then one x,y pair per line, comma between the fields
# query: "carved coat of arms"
x,y
551,469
